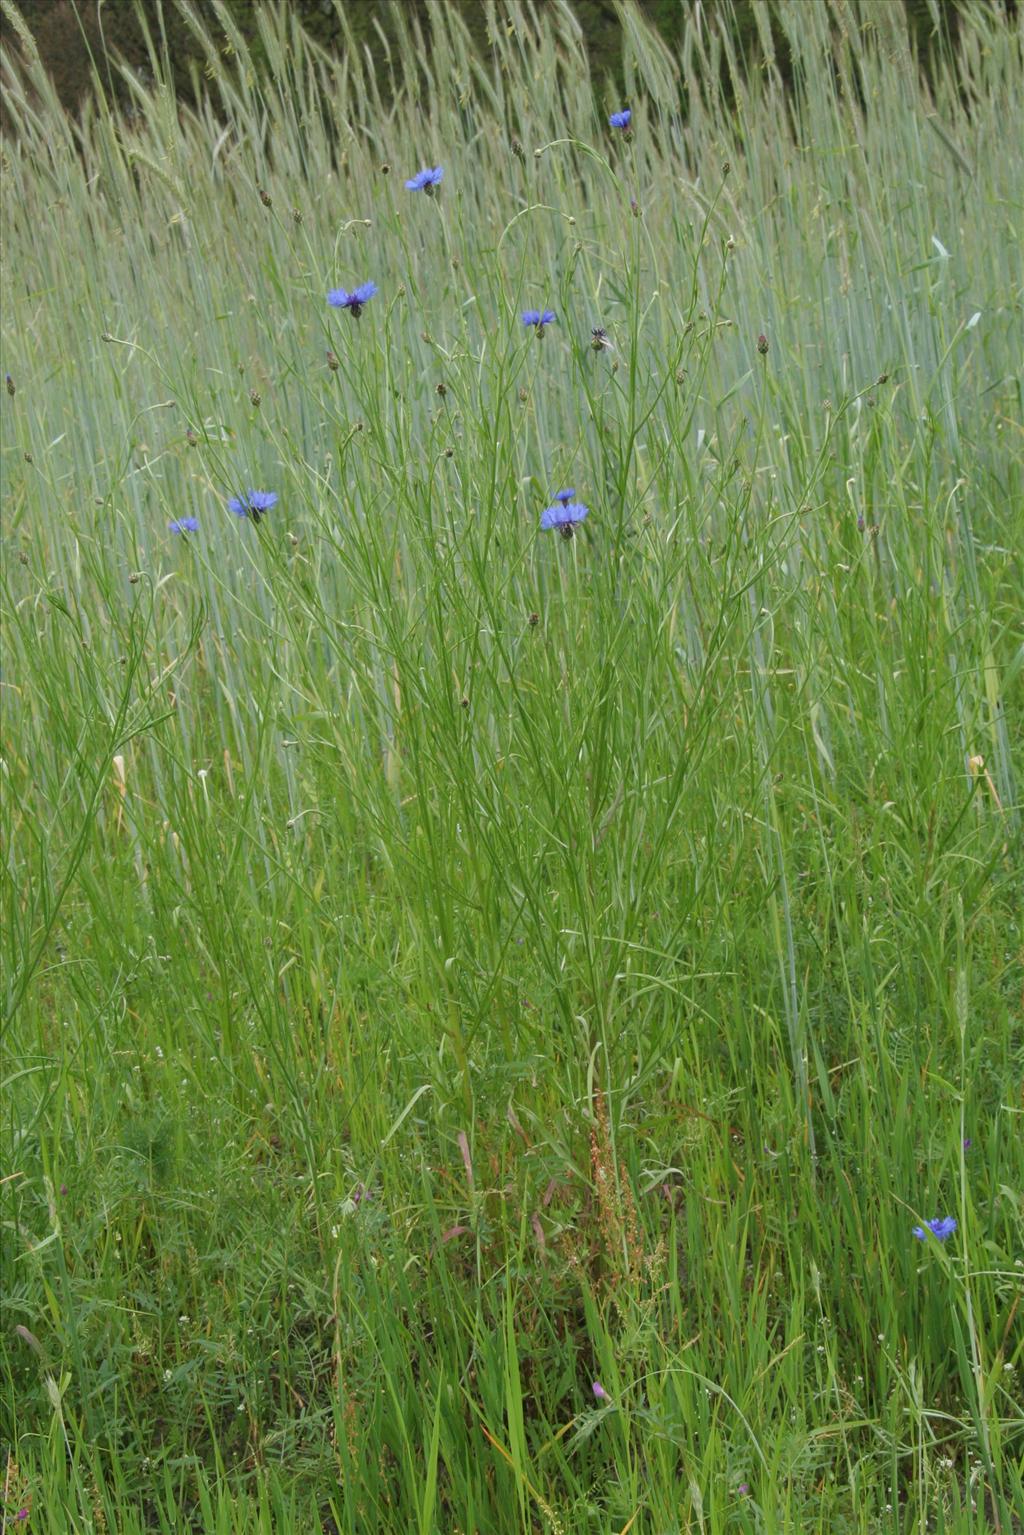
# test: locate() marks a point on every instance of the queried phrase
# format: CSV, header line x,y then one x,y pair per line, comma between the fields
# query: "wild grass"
x,y
446,965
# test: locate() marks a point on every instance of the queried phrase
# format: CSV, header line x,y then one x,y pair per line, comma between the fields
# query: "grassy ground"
x,y
447,965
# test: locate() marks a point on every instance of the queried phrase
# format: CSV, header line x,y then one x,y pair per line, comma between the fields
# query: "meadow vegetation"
x,y
486,1011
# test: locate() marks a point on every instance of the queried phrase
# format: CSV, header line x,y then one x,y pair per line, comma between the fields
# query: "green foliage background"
x,y
444,965
72,34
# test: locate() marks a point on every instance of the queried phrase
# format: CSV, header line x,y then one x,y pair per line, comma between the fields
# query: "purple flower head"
x,y
63,1188
564,516
565,496
940,1228
967,1142
338,298
600,1392
743,1489
425,180
621,119
253,504
184,525
538,318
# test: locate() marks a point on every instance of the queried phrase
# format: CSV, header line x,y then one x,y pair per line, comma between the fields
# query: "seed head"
x,y
265,197
762,345
8,380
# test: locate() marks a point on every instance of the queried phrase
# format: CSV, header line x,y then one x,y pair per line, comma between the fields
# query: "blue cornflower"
x,y
565,496
184,525
339,299
621,119
942,1227
425,180
564,516
538,318
253,504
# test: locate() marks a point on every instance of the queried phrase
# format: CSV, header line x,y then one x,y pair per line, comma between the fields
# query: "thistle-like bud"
x,y
762,345
8,380
332,360
255,397
265,197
